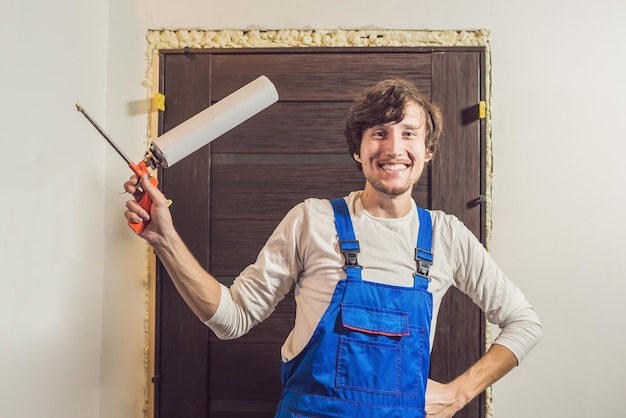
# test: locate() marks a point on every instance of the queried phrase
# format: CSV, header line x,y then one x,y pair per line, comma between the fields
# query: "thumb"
x,y
149,186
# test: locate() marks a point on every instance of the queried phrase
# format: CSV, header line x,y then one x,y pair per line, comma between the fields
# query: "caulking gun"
x,y
195,132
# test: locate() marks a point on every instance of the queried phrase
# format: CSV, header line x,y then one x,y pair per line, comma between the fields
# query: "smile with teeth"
x,y
393,167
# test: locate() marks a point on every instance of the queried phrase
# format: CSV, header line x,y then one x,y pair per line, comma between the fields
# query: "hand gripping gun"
x,y
195,132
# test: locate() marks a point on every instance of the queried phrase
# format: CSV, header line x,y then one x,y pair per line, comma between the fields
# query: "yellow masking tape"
x,y
159,101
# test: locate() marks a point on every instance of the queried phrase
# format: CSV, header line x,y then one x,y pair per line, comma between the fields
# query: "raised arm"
x,y
199,289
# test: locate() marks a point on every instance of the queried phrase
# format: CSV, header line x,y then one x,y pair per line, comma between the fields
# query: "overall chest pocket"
x,y
370,352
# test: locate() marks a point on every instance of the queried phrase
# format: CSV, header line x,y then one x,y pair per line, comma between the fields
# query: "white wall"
x,y
51,217
559,200
72,296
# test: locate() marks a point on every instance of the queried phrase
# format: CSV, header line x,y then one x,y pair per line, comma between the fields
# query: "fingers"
x,y
144,190
131,185
135,213
137,186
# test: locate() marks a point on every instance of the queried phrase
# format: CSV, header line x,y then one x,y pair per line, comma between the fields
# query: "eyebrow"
x,y
402,125
411,126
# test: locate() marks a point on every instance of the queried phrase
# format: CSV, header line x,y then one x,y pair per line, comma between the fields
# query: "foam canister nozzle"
x,y
214,121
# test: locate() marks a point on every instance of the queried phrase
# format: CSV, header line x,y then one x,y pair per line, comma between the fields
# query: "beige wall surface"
x,y
72,304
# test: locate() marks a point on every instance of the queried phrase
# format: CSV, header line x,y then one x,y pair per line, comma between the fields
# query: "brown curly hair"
x,y
386,102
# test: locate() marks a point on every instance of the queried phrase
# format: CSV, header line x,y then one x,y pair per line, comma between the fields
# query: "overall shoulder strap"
x,y
347,241
423,252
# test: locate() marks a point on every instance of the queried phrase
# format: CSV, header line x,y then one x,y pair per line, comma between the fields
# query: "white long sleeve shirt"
x,y
303,252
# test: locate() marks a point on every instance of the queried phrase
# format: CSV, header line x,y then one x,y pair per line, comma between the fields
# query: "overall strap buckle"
x,y
423,261
350,249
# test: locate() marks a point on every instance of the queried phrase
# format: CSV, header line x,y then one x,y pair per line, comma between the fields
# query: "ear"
x,y
356,157
428,156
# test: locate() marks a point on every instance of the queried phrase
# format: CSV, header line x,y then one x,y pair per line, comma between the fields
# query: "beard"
x,y
381,187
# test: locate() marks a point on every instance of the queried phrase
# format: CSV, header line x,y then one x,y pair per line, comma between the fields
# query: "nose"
x,y
394,144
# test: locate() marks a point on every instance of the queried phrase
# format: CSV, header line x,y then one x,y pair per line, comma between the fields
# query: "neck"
x,y
383,205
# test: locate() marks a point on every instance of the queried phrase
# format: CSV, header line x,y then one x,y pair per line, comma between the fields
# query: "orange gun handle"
x,y
145,202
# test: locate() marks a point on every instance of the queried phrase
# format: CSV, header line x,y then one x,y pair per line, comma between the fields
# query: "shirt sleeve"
x,y
477,275
259,288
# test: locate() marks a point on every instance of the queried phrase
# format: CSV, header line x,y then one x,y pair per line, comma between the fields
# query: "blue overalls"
x,y
370,354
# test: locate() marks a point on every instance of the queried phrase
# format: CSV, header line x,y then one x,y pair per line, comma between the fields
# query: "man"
x,y
369,272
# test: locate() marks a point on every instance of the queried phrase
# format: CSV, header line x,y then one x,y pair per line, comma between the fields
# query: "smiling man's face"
x,y
393,155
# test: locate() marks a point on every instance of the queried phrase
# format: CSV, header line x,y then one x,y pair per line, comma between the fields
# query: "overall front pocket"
x,y
369,355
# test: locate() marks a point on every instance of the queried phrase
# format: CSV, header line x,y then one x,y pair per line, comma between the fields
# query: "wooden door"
x,y
231,194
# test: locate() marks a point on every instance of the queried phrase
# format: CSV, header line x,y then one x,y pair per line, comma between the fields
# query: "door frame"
x,y
199,39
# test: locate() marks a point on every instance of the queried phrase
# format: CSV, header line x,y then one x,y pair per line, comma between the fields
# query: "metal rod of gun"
x,y
103,133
